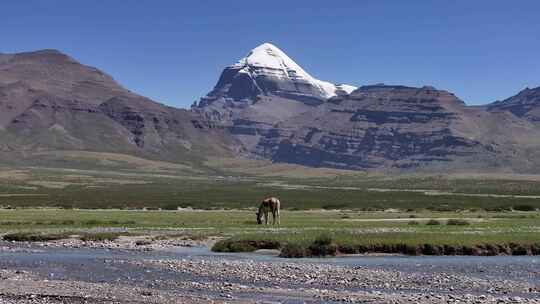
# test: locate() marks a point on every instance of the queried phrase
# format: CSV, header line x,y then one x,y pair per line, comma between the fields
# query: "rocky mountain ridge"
x,y
372,127
526,104
265,106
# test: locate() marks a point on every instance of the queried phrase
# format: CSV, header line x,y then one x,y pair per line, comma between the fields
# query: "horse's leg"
x,y
266,217
273,217
278,218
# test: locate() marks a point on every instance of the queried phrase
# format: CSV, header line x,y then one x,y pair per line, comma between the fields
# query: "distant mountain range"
x,y
265,106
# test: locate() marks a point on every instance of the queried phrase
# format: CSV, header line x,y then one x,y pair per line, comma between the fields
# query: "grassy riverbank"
x,y
320,243
404,232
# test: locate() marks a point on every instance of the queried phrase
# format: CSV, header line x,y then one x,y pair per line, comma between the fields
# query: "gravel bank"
x,y
353,284
63,273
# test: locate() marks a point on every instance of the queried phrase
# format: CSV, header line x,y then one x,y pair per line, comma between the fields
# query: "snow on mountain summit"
x,y
269,60
268,71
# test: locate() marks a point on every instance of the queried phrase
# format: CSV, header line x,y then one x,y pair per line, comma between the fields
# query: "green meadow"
x,y
413,232
348,213
169,190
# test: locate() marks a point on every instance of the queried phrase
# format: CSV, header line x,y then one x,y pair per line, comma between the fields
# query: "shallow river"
x,y
49,259
103,266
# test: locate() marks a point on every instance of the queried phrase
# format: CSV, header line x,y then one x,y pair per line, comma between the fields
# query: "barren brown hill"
x,y
49,101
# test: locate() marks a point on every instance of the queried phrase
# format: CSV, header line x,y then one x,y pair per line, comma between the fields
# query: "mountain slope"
x,y
525,104
49,101
379,127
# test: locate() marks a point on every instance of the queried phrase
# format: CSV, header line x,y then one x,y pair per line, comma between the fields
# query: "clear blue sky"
x,y
174,51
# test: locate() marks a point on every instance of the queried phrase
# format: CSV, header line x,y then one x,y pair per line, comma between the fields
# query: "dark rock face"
x,y
374,127
391,127
374,149
235,85
238,86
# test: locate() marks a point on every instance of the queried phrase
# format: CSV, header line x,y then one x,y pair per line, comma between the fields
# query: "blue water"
x,y
509,267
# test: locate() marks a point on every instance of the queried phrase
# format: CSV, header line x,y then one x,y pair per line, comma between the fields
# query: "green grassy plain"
x,y
169,189
357,230
360,212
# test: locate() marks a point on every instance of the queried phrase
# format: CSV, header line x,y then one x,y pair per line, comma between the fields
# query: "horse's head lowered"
x,y
259,217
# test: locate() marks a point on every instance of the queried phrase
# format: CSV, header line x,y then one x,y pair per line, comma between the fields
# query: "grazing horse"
x,y
269,204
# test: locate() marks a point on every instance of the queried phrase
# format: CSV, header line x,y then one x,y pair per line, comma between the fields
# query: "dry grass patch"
x,y
118,159
269,169
52,184
14,175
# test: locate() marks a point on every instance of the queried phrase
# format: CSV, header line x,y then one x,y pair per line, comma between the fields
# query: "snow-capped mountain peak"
x,y
268,71
269,56
267,60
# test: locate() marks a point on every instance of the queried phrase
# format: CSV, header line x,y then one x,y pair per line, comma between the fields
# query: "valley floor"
x,y
124,249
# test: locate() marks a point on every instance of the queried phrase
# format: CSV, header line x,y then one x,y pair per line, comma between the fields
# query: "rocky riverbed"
x,y
144,242
56,273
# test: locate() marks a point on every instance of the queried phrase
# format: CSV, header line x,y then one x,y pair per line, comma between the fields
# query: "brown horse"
x,y
269,204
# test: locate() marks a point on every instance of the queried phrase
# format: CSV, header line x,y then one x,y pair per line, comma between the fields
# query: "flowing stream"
x,y
116,266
